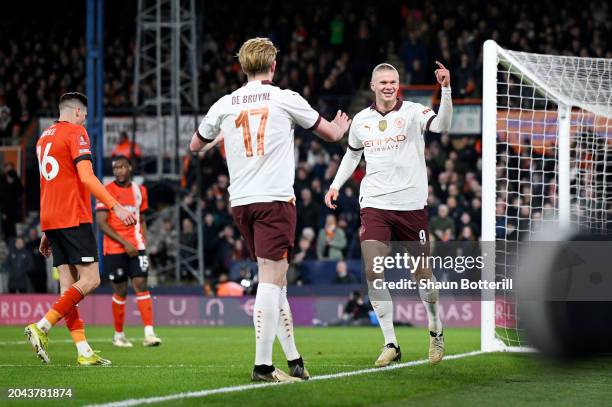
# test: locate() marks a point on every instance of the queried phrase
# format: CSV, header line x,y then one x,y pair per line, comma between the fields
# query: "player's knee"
x,y
139,285
92,283
121,290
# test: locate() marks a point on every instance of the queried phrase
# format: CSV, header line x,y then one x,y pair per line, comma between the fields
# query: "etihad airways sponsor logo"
x,y
384,143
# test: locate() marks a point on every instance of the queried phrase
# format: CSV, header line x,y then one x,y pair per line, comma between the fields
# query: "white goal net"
x,y
547,157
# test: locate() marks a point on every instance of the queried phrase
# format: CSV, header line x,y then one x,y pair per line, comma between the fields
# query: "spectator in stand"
x,y
304,251
163,243
355,313
17,264
464,78
307,212
348,205
211,239
38,271
10,200
225,249
467,234
417,75
442,226
331,241
126,148
221,214
6,123
412,50
228,288
342,274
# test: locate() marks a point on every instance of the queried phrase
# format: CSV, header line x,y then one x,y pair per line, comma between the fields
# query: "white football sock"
x,y
429,297
84,349
285,327
148,330
44,325
265,318
435,323
384,313
383,307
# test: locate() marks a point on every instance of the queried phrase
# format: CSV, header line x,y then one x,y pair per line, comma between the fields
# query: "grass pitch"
x,y
193,359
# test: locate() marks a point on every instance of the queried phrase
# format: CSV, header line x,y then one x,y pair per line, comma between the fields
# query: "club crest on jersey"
x,y
399,122
382,125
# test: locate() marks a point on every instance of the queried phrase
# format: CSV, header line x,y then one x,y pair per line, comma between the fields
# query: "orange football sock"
x,y
75,325
145,306
62,306
118,312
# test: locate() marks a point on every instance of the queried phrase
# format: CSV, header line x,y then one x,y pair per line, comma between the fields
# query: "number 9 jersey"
x,y
64,200
258,122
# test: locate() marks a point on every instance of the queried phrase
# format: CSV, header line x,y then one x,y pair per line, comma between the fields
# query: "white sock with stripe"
x,y
383,307
266,312
285,328
429,297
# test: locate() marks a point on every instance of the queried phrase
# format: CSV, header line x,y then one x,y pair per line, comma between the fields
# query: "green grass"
x,y
192,359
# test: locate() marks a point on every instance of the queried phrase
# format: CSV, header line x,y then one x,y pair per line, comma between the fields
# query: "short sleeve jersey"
x,y
134,198
64,200
258,122
394,149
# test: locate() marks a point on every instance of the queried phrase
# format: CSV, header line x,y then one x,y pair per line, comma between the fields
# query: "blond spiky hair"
x,y
257,55
383,67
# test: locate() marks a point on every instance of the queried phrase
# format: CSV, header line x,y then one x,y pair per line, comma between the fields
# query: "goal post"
x,y
546,158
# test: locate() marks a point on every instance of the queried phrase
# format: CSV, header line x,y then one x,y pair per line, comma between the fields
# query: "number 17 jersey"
x,y
258,122
64,200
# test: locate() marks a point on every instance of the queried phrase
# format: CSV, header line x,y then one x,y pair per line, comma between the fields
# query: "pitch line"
x,y
244,387
95,340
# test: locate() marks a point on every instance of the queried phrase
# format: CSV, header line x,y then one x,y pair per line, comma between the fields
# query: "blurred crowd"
x,y
326,50
24,268
326,53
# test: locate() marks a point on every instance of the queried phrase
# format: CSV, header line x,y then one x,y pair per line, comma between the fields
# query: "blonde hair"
x,y
257,55
383,67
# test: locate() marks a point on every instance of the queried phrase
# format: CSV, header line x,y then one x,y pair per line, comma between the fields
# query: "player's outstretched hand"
x,y
442,75
342,121
330,197
124,215
45,246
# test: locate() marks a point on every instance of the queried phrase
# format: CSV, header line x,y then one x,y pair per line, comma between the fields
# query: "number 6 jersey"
x,y
64,200
257,122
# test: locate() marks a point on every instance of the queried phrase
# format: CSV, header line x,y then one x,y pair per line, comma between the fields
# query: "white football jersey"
x,y
258,121
394,148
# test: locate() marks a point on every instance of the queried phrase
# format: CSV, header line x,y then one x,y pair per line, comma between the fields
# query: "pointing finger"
x,y
440,65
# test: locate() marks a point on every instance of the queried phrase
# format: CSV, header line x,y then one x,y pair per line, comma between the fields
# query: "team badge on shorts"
x,y
382,125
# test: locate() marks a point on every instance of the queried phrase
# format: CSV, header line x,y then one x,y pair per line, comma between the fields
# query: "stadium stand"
x,y
330,67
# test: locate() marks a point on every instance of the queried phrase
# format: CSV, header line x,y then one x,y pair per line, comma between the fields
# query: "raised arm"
x,y
308,118
333,131
442,122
